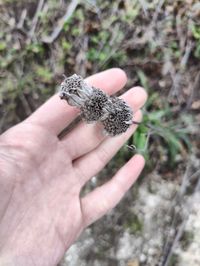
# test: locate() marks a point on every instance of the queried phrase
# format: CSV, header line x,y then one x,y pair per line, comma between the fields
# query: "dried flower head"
x,y
75,91
95,105
119,117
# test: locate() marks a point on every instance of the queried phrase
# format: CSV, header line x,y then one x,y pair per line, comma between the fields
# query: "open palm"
x,y
41,176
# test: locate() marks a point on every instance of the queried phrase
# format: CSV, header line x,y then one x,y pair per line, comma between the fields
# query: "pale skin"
x,y
41,176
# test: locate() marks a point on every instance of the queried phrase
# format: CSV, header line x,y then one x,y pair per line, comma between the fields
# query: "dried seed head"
x,y
119,118
75,91
94,107
70,85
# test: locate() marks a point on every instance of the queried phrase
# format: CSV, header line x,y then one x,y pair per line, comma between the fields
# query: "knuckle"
x,y
103,156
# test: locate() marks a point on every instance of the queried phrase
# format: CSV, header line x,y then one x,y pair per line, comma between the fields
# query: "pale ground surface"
x,y
191,256
145,247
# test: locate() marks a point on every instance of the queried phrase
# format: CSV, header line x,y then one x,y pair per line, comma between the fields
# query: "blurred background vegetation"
x,y
157,43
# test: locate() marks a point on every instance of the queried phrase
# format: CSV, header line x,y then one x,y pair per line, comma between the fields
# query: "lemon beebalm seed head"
x,y
96,106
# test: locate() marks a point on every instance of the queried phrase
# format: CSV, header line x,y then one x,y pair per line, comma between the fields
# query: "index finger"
x,y
55,115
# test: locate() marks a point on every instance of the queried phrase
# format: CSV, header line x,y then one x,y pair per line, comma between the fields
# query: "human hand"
x,y
41,176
